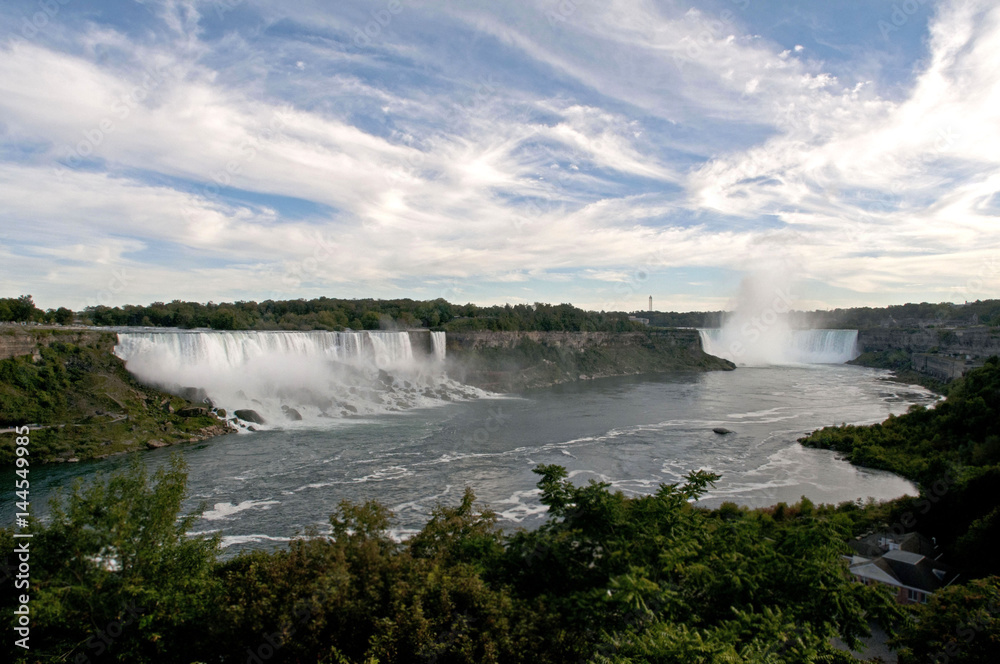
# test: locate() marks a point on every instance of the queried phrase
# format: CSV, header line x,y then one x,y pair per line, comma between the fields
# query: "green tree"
x,y
64,316
116,560
959,625
22,309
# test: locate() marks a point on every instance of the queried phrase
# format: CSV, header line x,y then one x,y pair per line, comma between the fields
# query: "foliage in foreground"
x,y
959,625
116,577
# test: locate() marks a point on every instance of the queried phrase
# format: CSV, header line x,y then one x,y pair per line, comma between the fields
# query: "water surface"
x,y
634,432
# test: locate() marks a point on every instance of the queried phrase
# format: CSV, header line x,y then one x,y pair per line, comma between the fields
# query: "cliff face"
x,y
979,342
18,340
942,353
81,403
512,361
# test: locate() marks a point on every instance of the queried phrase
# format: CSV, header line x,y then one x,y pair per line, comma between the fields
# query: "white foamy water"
x,y
296,378
225,510
749,346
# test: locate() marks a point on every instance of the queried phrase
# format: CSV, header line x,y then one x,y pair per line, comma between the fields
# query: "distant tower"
x,y
650,302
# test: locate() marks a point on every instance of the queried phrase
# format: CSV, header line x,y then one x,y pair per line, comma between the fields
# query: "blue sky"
x,y
557,151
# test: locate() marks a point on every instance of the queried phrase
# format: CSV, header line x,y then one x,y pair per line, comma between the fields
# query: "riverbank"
x,y
931,356
81,403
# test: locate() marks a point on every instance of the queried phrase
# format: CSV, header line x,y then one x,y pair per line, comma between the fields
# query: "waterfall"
x,y
750,346
291,377
438,341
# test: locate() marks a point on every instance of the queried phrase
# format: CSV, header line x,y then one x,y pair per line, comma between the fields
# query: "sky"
x,y
583,151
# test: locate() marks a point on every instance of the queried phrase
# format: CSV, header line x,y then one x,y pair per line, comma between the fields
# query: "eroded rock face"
x,y
193,411
194,394
512,361
248,415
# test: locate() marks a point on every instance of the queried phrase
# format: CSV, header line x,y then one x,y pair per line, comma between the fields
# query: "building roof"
x,y
875,544
907,557
906,569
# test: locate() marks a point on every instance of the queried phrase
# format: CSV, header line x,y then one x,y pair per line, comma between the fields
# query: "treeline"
x,y
336,314
23,310
980,312
952,451
683,319
371,314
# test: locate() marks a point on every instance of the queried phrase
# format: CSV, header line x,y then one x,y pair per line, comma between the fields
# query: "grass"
x,y
82,403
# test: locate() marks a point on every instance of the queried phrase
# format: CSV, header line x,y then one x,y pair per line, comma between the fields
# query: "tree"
x,y
959,625
115,558
64,316
20,310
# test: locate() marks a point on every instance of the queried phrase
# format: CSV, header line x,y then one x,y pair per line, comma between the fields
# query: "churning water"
x,y
300,377
752,346
635,432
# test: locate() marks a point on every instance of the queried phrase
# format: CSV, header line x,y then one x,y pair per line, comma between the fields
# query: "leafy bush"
x,y
607,579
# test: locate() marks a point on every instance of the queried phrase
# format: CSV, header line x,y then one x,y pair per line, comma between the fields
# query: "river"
x,y
263,488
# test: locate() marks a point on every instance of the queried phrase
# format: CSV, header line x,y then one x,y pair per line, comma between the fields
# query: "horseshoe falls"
x,y
750,346
296,377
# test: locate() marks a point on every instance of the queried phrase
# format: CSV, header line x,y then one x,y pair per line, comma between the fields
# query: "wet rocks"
x,y
248,415
193,411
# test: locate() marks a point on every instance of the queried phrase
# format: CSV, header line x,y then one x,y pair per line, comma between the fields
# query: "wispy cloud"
x,y
264,152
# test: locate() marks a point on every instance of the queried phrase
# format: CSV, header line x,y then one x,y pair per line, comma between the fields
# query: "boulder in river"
x,y
722,431
248,415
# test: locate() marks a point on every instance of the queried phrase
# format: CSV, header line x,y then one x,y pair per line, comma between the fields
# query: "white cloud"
x,y
674,139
